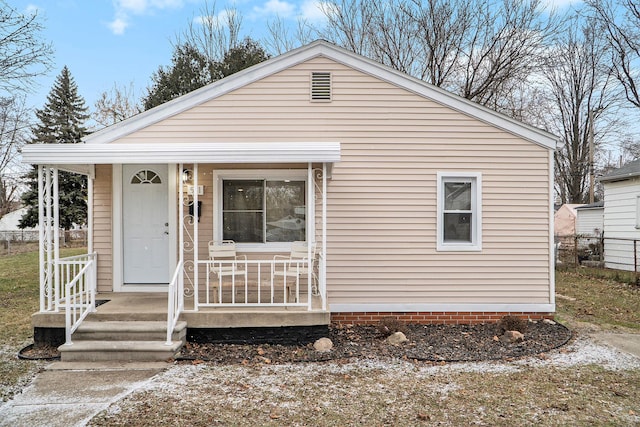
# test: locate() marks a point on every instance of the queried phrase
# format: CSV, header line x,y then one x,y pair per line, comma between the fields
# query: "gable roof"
x,y
305,53
628,171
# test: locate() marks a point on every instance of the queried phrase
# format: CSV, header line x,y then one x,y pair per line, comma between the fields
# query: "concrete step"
x,y
102,351
128,331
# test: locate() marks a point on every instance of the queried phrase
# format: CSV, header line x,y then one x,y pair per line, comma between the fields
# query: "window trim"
x,y
476,212
267,174
638,212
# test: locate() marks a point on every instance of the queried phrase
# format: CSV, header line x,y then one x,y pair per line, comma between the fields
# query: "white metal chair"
x,y
226,263
295,266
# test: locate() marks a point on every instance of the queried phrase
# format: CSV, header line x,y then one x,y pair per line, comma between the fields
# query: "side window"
x,y
459,211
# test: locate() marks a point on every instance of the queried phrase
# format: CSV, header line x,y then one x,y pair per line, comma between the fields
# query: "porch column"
x,y
48,221
323,262
196,220
90,180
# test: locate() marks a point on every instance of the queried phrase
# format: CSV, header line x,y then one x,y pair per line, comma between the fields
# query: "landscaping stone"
x,y
512,336
323,345
397,338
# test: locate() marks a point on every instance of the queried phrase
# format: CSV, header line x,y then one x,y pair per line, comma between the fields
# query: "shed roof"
x,y
628,171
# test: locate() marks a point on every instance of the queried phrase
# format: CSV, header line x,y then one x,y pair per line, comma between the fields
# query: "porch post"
x,y
196,220
323,264
90,214
56,238
311,219
41,241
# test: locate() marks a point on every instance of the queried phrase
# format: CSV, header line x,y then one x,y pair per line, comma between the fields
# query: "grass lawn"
x,y
603,297
19,299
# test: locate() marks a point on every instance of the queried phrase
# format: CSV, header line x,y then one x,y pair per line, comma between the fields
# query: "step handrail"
x,y
82,300
175,303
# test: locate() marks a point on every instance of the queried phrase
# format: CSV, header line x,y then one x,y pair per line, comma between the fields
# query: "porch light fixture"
x,y
187,175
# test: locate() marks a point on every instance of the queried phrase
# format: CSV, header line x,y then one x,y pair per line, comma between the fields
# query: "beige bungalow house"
x,y
343,191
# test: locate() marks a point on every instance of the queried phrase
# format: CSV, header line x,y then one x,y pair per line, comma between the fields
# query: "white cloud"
x,y
560,4
125,8
219,20
32,9
117,26
314,10
275,7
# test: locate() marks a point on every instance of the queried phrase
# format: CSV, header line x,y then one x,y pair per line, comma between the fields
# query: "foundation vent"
x,y
321,86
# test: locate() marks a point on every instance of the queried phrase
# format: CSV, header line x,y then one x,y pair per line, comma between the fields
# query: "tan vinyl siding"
x,y
381,234
102,226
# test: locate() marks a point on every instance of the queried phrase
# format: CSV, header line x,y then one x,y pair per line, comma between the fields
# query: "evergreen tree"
x,y
61,121
190,70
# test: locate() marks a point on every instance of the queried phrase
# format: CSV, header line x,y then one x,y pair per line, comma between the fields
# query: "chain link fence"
x,y
598,251
19,241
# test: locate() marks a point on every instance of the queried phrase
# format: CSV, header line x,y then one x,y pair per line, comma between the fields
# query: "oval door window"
x,y
146,177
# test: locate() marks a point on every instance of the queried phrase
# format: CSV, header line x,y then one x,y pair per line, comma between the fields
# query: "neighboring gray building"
x,y
622,217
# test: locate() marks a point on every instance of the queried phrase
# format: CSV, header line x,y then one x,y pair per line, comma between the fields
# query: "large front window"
x,y
263,210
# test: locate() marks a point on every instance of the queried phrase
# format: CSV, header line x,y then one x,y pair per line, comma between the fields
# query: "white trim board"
x,y
476,308
181,152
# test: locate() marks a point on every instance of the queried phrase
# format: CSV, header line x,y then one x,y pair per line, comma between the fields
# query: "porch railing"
x,y
275,283
175,300
76,278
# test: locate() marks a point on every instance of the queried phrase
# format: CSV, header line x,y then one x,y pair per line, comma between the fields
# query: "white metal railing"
x,y
276,283
175,300
322,280
76,288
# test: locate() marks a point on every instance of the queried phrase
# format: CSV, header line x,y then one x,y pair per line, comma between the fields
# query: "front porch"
x,y
152,307
133,326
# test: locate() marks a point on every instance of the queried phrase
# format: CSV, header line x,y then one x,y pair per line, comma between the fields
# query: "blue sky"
x,y
124,41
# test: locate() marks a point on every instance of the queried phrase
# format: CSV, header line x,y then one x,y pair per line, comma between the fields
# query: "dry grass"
x,y
19,299
371,393
598,299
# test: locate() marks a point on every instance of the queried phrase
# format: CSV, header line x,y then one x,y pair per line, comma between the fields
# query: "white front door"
x,y
145,224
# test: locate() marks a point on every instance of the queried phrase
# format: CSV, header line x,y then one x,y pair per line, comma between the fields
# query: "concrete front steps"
x,y
124,341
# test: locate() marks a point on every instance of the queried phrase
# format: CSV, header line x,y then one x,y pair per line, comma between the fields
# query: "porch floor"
x,y
152,306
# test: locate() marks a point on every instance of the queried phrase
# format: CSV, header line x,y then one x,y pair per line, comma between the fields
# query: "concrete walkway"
x,y
627,343
69,394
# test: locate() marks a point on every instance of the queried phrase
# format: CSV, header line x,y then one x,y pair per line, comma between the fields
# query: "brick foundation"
x,y
432,317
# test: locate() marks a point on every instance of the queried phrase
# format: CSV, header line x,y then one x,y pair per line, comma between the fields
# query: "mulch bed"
x,y
437,343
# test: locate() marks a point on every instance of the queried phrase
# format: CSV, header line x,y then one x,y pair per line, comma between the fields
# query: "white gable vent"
x,y
321,86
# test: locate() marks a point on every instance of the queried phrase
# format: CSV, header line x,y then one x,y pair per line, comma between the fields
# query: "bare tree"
x,y
506,41
23,55
14,126
118,104
480,49
213,33
442,27
621,23
583,94
281,39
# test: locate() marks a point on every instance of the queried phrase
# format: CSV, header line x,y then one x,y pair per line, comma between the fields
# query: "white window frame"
x,y
637,212
267,174
476,211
